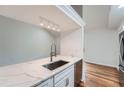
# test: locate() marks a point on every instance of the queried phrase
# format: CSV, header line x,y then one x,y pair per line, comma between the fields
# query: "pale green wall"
x,y
21,42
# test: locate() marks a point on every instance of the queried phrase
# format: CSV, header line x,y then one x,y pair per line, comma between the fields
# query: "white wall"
x,y
101,43
21,42
72,43
101,47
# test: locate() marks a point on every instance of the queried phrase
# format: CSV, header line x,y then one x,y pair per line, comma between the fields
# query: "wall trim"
x,y
92,62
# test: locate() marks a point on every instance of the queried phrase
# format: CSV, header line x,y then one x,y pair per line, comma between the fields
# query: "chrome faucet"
x,y
52,53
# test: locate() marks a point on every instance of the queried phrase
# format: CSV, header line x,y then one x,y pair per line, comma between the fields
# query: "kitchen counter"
x,y
32,72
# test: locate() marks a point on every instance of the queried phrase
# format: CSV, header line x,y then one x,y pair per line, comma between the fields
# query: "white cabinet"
x,y
64,78
67,81
47,83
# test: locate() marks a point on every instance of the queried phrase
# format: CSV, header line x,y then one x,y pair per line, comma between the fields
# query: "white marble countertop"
x,y
29,73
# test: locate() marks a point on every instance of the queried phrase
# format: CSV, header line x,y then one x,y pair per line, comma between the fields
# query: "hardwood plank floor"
x,y
100,76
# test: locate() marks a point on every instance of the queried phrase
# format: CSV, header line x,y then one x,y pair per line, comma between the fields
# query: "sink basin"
x,y
55,65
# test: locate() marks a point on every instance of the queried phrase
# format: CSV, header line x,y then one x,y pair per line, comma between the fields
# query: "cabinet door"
x,y
67,81
47,83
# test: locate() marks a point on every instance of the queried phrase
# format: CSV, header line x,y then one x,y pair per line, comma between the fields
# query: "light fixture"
x,y
45,23
53,28
120,6
41,24
48,26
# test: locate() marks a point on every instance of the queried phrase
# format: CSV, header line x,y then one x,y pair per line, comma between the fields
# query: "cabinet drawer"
x,y
67,81
47,83
62,74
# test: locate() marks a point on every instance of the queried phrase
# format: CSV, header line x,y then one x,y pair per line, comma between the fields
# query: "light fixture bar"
x,y
49,24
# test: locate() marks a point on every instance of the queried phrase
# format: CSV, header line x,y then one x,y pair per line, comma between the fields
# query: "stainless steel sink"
x,y
55,65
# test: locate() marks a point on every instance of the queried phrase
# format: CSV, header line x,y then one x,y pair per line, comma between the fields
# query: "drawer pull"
x,y
67,82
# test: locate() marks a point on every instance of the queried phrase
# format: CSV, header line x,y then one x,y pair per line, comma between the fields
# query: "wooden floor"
x,y
100,76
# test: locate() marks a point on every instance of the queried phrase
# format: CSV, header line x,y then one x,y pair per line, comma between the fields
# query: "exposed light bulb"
x,y
41,24
45,23
48,26
53,28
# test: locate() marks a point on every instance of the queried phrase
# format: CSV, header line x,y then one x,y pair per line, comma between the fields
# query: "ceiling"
x,y
116,16
31,13
96,16
103,16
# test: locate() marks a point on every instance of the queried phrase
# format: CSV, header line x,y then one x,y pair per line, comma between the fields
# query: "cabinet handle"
x,y
67,82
